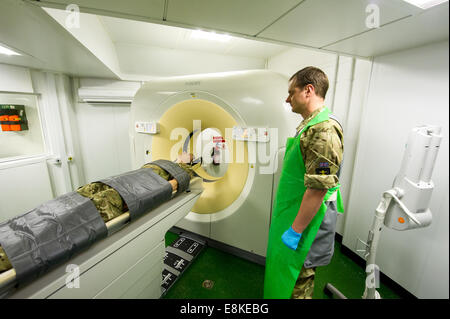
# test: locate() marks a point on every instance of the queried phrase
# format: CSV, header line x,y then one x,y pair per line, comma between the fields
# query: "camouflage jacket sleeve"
x,y
158,170
322,148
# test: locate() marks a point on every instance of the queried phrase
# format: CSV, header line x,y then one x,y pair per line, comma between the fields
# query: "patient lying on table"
x,y
108,201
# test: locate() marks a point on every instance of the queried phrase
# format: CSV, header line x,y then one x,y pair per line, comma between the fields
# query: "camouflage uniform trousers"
x,y
304,286
107,201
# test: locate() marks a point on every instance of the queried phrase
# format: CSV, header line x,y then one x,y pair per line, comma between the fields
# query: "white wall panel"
x,y
15,79
340,107
56,131
103,136
351,119
24,183
408,88
22,188
344,79
436,261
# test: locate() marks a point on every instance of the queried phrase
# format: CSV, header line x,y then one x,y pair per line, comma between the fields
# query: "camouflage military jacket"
x,y
322,147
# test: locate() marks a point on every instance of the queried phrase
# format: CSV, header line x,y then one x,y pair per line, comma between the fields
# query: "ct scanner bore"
x,y
176,122
211,149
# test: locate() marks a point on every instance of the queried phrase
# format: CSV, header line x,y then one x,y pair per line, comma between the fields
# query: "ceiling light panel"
x,y
425,4
211,36
7,51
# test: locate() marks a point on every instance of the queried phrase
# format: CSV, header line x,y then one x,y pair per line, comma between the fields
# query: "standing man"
x,y
302,229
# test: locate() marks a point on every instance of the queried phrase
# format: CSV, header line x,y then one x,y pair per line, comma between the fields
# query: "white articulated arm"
x,y
413,186
406,205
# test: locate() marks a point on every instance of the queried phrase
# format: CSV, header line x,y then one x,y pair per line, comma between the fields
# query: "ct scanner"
x,y
235,124
245,115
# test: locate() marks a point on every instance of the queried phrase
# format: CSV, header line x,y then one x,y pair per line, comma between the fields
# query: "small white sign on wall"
x,y
147,127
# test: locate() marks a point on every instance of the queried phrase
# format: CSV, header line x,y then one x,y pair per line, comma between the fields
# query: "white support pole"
x,y
370,291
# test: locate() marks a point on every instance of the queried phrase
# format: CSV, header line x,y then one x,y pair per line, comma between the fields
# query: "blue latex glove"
x,y
291,238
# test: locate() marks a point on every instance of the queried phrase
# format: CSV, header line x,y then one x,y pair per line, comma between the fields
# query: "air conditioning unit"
x,y
103,91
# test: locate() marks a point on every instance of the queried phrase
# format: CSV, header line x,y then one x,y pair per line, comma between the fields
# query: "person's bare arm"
x,y
311,202
174,184
185,158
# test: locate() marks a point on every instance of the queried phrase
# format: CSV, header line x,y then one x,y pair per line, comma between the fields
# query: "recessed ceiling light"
x,y
199,34
425,4
7,51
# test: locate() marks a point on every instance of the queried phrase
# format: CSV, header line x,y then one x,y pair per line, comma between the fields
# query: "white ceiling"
x,y
427,27
335,25
43,43
145,36
320,23
112,47
246,17
124,31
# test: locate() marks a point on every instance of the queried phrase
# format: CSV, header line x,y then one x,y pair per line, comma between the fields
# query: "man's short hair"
x,y
314,76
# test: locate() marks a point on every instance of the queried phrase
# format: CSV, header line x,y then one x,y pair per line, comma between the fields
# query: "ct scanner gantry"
x,y
236,123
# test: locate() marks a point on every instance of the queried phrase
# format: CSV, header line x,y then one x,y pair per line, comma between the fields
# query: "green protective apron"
x,y
283,264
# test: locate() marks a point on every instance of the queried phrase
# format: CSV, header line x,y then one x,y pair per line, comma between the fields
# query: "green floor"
x,y
235,277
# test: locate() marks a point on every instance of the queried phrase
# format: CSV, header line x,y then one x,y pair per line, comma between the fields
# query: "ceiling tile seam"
x,y
366,31
282,16
166,7
294,45
101,12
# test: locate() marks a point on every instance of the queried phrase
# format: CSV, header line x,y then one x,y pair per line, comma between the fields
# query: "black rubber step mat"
x,y
179,255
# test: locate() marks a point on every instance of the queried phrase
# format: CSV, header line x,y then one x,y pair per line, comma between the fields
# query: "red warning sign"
x,y
218,139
